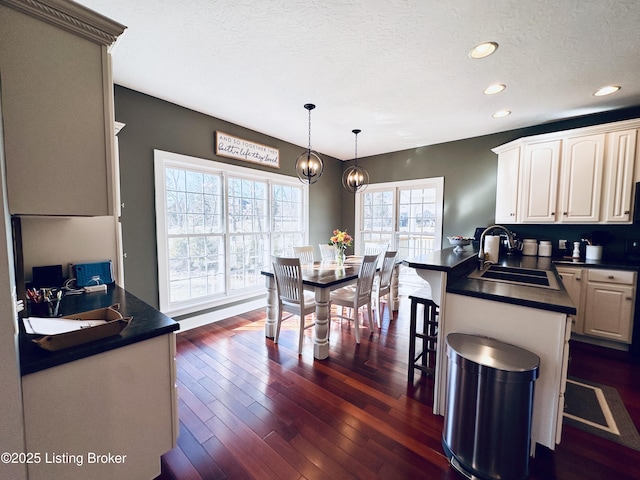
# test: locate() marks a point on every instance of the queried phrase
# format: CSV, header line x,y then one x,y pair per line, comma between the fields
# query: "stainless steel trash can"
x,y
487,424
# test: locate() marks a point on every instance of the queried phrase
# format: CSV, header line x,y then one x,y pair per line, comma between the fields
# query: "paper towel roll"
x,y
491,248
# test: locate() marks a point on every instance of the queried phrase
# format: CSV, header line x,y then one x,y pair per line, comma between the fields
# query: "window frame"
x,y
396,187
163,160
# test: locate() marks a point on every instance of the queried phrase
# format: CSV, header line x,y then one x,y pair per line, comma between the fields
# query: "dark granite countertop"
x,y
445,260
528,296
460,264
147,322
615,264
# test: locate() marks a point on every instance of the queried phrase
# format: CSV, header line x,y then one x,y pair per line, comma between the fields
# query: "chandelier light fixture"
x,y
355,178
309,165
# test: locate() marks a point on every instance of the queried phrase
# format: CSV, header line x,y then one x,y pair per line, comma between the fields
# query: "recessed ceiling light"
x,y
495,88
483,50
501,114
608,90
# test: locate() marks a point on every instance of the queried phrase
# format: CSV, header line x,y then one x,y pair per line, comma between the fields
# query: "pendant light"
x,y
355,178
309,165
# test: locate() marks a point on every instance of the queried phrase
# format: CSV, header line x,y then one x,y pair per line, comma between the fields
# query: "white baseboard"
x,y
217,315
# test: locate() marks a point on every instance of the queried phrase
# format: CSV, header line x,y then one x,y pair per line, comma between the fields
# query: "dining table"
x,y
321,278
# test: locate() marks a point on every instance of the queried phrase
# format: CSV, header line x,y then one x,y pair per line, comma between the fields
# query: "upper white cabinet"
x,y
585,175
540,181
619,181
57,105
581,186
507,186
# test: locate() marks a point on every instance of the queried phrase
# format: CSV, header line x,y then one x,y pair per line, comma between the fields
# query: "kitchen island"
x,y
532,318
105,409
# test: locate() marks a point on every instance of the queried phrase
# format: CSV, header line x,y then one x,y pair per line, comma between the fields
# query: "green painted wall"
x,y
156,124
468,167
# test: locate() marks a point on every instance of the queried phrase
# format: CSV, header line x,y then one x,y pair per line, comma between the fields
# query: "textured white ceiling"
x,y
397,69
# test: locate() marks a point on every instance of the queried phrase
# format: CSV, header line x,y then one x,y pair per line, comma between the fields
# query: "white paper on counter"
x,y
55,326
492,248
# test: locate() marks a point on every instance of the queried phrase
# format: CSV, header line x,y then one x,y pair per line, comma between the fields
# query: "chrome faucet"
x,y
510,239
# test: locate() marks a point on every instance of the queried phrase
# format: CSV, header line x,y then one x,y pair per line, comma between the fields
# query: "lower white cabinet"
x,y
609,304
604,299
572,281
110,415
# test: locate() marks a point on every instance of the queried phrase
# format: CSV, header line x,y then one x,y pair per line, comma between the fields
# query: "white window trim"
x,y
437,182
163,159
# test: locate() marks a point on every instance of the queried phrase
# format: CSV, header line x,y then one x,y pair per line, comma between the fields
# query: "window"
x,y
406,216
217,227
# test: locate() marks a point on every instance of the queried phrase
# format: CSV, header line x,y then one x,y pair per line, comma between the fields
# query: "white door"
x,y
619,163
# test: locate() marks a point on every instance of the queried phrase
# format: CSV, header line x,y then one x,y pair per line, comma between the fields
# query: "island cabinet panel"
x,y
545,333
58,119
109,415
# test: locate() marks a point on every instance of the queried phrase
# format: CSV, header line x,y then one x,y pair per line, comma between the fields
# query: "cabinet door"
x,y
619,164
121,402
609,311
581,185
572,281
507,186
540,182
58,123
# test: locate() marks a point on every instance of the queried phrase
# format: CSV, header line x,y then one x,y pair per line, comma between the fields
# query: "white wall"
x,y
11,426
54,241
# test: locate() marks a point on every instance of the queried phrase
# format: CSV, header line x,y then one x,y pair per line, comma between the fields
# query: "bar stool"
x,y
424,360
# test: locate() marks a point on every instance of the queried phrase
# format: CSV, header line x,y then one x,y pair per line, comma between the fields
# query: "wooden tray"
x,y
115,323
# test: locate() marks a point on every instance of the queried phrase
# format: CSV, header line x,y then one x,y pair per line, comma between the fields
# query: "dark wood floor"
x,y
250,409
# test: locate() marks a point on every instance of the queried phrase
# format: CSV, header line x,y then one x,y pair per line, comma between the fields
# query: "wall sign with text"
x,y
234,147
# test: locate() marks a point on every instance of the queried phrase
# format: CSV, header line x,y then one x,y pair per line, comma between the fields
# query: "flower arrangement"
x,y
341,240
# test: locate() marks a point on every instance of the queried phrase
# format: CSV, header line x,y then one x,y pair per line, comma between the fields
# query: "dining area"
x,y
306,288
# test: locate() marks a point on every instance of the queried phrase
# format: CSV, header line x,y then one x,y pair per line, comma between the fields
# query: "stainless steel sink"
x,y
530,277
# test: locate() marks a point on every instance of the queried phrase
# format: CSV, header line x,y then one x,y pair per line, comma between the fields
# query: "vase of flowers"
x,y
340,240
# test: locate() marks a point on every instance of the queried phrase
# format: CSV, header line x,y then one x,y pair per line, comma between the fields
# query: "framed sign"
x,y
234,147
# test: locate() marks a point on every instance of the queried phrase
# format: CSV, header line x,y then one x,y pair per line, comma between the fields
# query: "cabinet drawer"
x,y
612,276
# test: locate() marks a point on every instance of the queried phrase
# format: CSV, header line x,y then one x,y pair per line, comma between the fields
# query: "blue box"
x,y
98,273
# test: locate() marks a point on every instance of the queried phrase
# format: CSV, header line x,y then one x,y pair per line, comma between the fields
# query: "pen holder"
x,y
40,309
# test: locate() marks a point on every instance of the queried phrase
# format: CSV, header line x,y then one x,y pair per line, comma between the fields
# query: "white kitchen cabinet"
x,y
507,185
121,402
572,281
586,175
581,180
619,181
609,304
539,184
57,108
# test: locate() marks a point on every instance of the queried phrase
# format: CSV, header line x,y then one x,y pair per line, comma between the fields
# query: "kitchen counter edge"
x,y
146,323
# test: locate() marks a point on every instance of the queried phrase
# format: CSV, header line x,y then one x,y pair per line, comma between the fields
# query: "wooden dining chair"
x,y
376,249
292,298
382,284
327,253
354,298
305,254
